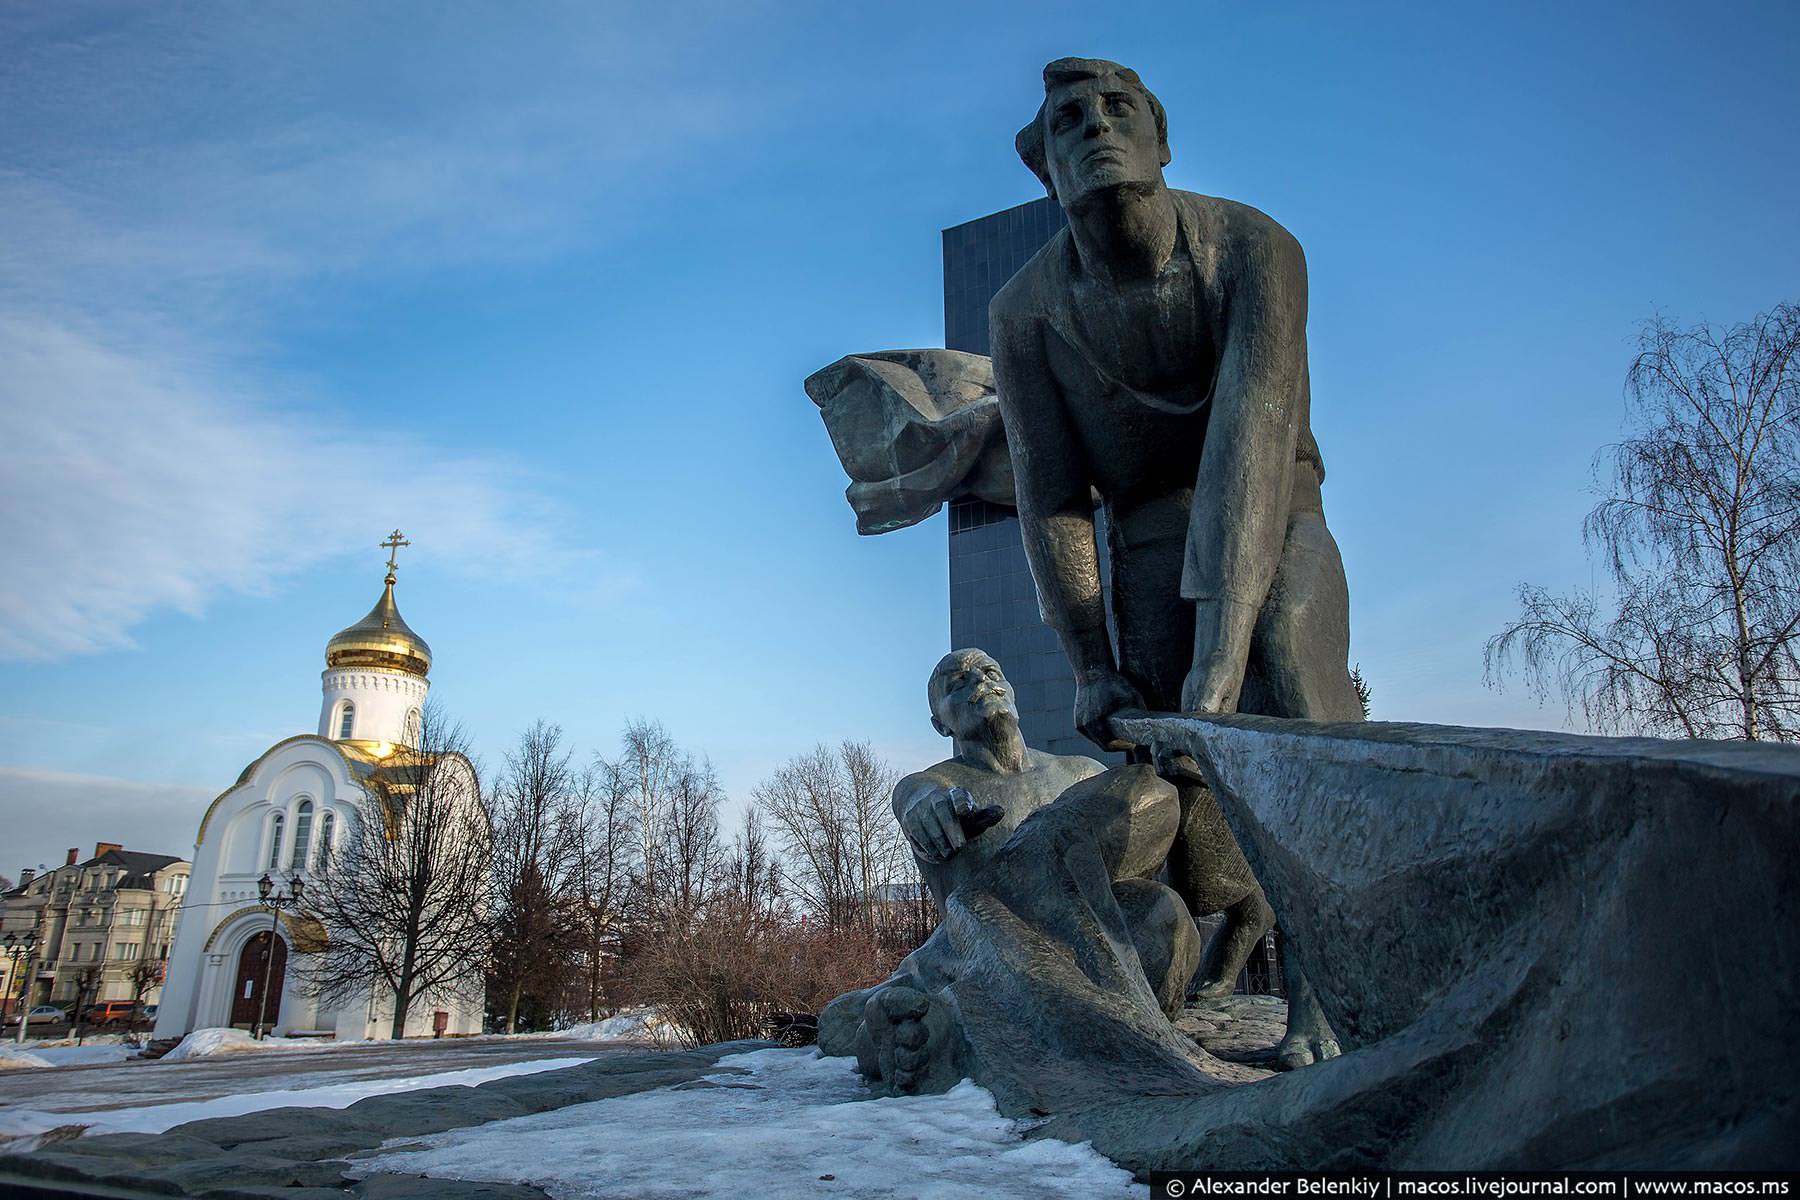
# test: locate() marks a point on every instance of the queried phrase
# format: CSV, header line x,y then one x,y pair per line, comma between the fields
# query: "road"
x,y
136,1082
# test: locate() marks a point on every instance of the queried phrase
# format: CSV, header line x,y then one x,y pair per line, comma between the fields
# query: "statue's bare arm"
x,y
1238,523
928,816
1056,510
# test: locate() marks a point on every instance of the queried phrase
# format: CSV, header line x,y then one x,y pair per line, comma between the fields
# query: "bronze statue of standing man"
x,y
1155,352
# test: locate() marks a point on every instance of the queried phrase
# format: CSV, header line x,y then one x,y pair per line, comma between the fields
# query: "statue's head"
x,y
968,690
1098,127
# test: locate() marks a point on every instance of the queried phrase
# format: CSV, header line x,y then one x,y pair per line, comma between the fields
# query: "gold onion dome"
x,y
380,639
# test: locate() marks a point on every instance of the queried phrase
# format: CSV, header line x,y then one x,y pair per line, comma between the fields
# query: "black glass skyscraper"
x,y
993,604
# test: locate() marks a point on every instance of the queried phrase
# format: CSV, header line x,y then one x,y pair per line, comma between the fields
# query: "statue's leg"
x,y
909,1041
1299,667
1232,944
1168,944
1156,645
1309,1037
1299,661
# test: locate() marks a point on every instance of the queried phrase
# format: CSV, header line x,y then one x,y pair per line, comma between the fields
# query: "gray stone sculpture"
x,y
1542,951
957,815
913,428
1036,982
1155,352
1502,923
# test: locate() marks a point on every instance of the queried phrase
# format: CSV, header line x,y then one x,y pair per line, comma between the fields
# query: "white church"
x,y
286,811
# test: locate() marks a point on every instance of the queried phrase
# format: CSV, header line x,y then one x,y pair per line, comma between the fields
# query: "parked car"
x,y
47,1013
111,1012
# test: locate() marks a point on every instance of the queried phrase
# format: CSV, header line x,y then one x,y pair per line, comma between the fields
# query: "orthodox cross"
x,y
394,541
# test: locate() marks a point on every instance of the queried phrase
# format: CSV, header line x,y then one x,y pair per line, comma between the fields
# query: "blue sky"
x,y
538,285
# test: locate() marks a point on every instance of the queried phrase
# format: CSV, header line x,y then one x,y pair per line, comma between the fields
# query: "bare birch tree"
x,y
646,768
402,900
830,811
534,852
1700,532
688,842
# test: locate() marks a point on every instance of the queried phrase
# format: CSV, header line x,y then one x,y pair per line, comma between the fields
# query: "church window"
x,y
411,736
275,843
346,720
327,830
302,835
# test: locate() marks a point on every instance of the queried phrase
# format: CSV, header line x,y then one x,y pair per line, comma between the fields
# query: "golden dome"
x,y
380,639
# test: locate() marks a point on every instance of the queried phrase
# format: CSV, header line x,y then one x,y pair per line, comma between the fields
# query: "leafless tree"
x,y
535,842
88,982
688,843
1700,532
599,889
753,873
402,900
145,974
830,810
646,769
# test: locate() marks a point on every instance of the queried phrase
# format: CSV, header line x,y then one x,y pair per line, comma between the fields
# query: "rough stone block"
x,y
409,1114
269,1125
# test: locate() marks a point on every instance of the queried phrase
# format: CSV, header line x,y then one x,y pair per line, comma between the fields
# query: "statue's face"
x,y
1099,133
974,692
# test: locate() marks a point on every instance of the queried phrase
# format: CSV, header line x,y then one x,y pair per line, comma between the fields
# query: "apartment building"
x,y
103,927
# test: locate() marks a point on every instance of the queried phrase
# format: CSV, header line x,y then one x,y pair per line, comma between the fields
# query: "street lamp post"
x,y
274,901
21,946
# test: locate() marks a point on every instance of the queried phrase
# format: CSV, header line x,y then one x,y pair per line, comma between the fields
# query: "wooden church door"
x,y
253,963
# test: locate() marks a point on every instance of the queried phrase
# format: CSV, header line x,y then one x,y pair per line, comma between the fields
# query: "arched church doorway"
x,y
253,967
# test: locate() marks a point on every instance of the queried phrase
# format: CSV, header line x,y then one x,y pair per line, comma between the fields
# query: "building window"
x,y
302,835
327,828
180,884
275,843
346,720
124,951
411,734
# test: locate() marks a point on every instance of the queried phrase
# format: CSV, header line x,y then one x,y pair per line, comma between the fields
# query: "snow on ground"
x,y
207,1043
798,1125
85,1055
632,1025
154,1118
64,1052
13,1059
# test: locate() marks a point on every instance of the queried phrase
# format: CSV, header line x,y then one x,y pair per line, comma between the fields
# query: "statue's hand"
x,y
932,822
1222,632
1098,695
1212,686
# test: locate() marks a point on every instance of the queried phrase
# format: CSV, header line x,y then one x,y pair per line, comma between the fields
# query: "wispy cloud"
x,y
133,482
146,460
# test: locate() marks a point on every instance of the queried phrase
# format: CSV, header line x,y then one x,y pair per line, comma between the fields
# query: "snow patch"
x,y
796,1125
632,1025
208,1043
14,1059
85,1056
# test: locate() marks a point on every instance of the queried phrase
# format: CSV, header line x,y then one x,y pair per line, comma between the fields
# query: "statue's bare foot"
x,y
1302,1049
910,1043
1212,989
1309,1037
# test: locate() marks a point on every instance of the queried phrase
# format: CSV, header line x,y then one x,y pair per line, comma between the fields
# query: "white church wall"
x,y
383,700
